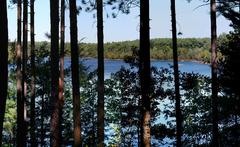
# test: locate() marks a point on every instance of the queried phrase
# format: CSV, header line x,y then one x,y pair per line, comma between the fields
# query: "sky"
x,y
190,21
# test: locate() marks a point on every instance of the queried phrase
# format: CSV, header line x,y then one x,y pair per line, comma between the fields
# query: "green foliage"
x,y
196,106
229,74
122,99
122,90
229,78
188,49
230,10
9,124
89,110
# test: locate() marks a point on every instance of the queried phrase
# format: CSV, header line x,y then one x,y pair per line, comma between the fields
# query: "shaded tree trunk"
x,y
20,102
61,79
145,75
75,73
55,103
3,62
42,120
32,119
24,70
176,75
100,86
214,73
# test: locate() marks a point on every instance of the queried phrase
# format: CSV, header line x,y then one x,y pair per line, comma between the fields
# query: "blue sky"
x,y
192,23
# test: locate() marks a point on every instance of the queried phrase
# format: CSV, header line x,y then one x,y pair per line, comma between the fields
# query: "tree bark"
x,y
24,70
61,79
3,62
42,119
176,75
100,86
214,73
145,75
20,102
55,103
75,73
32,119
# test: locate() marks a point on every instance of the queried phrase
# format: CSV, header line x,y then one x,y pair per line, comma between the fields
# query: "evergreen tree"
x,y
100,111
24,72
20,102
176,75
54,101
75,73
145,76
3,62
33,77
61,78
214,73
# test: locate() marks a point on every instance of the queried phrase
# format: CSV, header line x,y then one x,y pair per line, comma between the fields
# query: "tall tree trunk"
x,y
214,73
55,103
75,73
100,86
24,69
61,79
32,119
20,102
3,62
176,75
145,75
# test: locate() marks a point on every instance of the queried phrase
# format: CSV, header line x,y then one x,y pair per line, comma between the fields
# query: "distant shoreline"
x,y
201,62
189,49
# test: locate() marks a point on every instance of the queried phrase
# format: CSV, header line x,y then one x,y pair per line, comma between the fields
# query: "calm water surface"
x,y
112,66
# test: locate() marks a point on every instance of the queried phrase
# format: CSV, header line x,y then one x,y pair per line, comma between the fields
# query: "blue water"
x,y
112,66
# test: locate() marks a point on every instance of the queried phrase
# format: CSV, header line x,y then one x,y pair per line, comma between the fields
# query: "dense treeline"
x,y
188,49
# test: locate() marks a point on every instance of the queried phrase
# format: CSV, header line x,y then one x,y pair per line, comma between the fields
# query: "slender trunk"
x,y
42,120
20,103
24,69
100,86
238,6
75,73
33,136
4,62
55,103
138,134
145,72
61,79
176,75
236,124
214,73
93,142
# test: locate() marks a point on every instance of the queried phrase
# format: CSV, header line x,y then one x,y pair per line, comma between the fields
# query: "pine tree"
x,y
24,73
145,75
55,105
214,73
3,62
20,102
176,75
100,111
61,78
32,118
75,73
